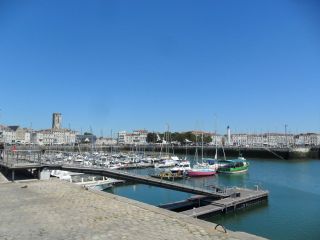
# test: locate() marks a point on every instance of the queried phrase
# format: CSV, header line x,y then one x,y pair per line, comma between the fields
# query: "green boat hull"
x,y
231,170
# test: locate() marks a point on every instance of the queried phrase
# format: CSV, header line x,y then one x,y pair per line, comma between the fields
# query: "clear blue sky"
x,y
141,64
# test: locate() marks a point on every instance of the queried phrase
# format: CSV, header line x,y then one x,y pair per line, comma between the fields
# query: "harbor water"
x,y
292,211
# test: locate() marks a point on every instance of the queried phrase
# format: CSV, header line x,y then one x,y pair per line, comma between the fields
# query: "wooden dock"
x,y
215,193
202,211
240,199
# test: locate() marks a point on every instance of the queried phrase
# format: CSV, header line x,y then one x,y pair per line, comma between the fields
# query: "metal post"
x,y
39,173
12,175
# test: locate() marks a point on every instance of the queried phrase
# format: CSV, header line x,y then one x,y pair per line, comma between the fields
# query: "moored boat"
x,y
201,171
166,164
183,166
169,175
234,166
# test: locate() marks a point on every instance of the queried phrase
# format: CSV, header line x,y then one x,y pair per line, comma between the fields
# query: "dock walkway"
x,y
242,198
147,180
23,163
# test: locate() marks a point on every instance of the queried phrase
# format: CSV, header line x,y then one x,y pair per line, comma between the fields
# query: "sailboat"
x,y
167,160
200,170
211,163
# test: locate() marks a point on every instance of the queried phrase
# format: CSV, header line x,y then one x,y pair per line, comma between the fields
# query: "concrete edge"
x,y
210,227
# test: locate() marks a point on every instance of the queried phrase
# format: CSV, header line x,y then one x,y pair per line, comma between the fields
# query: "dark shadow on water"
x,y
255,208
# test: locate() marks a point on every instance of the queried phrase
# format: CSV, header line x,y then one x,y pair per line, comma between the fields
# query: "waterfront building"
x,y
137,137
86,138
140,136
22,135
7,135
216,139
239,139
106,141
14,134
122,137
307,139
64,136
53,137
37,138
278,139
255,140
263,140
42,137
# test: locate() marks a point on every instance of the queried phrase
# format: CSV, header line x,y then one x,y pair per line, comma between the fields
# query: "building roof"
x,y
14,128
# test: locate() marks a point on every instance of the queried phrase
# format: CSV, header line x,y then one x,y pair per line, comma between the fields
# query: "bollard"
x,y
194,212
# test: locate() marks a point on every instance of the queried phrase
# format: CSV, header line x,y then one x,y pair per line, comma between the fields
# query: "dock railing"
x,y
16,158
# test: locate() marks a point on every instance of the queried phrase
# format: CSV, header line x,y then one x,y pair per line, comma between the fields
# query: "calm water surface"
x,y
293,209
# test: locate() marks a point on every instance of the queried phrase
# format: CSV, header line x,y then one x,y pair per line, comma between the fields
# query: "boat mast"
x,y
202,147
196,152
215,138
186,150
167,140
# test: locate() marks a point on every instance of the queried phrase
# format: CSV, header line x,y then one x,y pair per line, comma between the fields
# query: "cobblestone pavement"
x,y
58,210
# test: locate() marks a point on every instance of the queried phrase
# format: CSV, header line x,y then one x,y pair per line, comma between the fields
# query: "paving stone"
x,y
59,210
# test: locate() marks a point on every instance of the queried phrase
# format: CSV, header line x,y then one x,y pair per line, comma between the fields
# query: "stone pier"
x,y
59,210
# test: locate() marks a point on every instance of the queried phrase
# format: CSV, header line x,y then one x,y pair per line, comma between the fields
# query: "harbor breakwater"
x,y
208,151
233,152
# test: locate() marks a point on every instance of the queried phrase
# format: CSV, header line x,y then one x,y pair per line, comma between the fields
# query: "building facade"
x,y
54,137
106,141
137,137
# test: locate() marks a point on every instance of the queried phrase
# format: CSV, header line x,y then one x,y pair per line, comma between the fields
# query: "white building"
x,y
260,140
42,137
106,141
216,139
22,135
278,139
239,139
37,138
136,137
307,139
54,137
7,135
